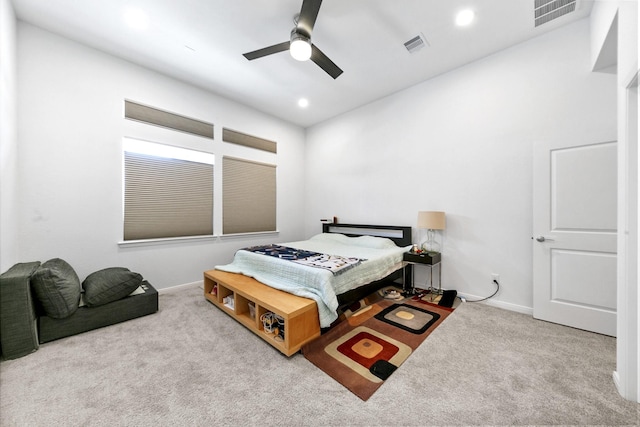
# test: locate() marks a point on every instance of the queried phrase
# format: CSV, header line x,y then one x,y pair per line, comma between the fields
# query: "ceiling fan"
x,y
300,45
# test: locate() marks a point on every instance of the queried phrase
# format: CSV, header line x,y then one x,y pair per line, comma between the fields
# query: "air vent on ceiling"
x,y
548,10
416,43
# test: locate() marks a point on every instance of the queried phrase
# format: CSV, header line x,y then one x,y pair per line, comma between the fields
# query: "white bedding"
x,y
382,258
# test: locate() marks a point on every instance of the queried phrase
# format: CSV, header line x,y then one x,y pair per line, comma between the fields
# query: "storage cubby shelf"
x,y
301,322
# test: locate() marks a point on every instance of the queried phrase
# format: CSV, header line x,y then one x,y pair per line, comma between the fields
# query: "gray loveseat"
x,y
44,302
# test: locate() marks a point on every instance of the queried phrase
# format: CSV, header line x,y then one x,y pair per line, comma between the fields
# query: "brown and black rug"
x,y
363,350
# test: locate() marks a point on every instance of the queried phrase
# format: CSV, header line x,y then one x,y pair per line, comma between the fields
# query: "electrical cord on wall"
x,y
484,299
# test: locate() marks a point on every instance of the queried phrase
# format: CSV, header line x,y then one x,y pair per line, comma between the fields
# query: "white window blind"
x,y
248,196
166,195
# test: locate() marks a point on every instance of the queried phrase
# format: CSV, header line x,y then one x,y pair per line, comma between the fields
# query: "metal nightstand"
x,y
430,260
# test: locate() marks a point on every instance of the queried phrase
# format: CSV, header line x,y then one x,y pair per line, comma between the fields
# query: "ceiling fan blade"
x,y
276,48
308,16
324,62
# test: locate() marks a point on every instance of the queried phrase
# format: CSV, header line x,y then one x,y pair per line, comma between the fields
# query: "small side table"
x,y
430,260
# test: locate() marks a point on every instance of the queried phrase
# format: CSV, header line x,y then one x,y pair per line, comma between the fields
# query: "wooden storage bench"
x,y
301,322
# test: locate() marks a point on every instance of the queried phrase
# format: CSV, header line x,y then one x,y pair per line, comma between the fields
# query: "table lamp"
x,y
431,221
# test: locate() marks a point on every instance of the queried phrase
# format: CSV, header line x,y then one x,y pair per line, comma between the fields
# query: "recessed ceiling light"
x,y
303,102
465,17
136,19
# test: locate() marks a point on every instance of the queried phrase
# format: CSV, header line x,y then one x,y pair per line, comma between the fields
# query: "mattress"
x,y
380,256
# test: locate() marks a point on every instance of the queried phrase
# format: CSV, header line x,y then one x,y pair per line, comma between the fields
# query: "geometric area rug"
x,y
363,350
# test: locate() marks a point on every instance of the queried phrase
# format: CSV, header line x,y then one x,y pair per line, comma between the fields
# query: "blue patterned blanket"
x,y
336,264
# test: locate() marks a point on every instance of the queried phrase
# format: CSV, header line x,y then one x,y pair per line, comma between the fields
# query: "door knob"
x,y
543,239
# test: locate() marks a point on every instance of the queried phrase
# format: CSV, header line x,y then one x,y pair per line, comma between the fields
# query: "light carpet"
x,y
191,364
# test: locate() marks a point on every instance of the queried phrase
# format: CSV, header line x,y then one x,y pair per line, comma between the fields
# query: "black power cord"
x,y
490,296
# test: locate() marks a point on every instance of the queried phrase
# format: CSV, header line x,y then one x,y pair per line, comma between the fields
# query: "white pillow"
x,y
362,241
372,242
330,237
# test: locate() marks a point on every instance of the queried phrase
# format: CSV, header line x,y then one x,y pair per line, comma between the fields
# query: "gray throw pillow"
x,y
108,285
57,288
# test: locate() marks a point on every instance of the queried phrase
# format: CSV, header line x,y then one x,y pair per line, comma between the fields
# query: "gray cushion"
x,y
57,288
18,332
108,285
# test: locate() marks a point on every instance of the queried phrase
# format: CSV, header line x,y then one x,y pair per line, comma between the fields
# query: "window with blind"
x,y
168,191
248,196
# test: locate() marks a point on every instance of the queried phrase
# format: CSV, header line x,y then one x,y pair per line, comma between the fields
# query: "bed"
x,y
376,250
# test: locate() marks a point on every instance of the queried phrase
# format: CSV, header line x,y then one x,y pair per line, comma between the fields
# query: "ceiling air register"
x,y
548,10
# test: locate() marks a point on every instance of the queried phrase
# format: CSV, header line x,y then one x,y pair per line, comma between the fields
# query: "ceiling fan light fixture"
x,y
300,47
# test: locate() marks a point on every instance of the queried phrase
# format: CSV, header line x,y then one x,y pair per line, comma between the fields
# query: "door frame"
x,y
627,374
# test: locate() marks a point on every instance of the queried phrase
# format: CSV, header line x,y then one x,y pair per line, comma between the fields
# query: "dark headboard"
x,y
401,236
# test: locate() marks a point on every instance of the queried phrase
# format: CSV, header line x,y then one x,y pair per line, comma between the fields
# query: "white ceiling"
x,y
202,42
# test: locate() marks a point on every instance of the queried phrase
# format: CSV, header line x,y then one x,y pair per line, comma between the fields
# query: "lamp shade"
x,y
431,220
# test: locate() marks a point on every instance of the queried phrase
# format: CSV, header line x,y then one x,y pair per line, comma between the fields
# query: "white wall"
x,y
462,143
8,136
70,125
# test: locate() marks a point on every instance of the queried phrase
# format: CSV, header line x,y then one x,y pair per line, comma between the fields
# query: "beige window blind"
x,y
166,197
235,137
248,196
155,116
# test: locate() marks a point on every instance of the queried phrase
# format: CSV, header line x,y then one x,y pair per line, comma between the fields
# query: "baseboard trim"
x,y
494,303
500,304
176,288
616,382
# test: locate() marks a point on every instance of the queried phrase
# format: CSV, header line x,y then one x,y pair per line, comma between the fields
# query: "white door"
x,y
574,234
